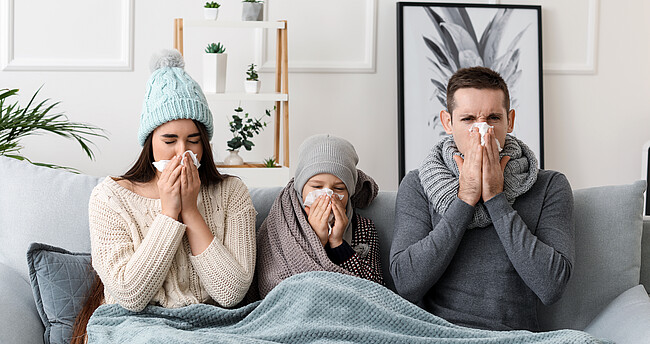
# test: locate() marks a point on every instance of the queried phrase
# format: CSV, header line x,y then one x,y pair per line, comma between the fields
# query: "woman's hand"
x,y
317,215
169,188
340,222
190,186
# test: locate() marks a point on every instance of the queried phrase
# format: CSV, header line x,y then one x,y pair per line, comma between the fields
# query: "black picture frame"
x,y
429,38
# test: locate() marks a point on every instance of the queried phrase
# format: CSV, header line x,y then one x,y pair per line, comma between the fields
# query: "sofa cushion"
x,y
626,319
608,226
39,204
60,282
19,321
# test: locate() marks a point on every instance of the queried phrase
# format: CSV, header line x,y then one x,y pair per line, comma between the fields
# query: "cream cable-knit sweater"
x,y
143,256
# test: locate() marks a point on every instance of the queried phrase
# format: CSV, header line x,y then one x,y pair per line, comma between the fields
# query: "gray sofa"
x,y
603,296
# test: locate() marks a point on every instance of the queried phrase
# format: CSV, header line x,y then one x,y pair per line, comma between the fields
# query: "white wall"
x,y
595,122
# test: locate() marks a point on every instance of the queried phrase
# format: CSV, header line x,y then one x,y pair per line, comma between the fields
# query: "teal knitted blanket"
x,y
313,307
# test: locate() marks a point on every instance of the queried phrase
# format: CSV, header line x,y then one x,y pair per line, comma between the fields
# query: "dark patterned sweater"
x,y
361,257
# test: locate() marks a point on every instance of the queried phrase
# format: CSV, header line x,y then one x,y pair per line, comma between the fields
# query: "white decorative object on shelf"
x,y
211,10
233,158
252,86
214,72
211,13
252,10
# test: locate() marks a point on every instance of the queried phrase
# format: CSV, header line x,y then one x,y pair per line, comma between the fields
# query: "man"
x,y
480,233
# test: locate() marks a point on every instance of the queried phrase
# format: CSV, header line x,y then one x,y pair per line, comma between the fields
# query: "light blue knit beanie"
x,y
172,94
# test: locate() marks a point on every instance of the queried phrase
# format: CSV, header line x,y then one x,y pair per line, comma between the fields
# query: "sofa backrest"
x,y
43,205
50,206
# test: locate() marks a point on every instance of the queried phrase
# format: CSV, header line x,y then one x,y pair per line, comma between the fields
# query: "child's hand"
x,y
317,216
340,222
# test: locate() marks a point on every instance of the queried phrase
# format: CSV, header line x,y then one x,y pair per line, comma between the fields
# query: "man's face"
x,y
477,105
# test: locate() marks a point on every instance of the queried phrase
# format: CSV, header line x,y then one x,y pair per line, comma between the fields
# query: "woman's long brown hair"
x,y
143,171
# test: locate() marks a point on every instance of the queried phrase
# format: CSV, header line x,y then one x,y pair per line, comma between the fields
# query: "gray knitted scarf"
x,y
286,243
439,176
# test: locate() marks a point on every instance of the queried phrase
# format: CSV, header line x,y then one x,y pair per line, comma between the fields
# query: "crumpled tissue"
x,y
160,165
482,129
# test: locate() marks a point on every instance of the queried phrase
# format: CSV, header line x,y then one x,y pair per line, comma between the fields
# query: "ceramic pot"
x,y
252,86
252,11
214,72
210,13
233,158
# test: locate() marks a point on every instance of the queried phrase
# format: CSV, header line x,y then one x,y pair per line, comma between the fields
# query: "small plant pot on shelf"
x,y
214,72
252,86
233,158
210,13
252,11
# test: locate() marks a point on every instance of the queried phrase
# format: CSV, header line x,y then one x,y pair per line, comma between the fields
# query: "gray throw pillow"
x,y
626,319
608,225
60,282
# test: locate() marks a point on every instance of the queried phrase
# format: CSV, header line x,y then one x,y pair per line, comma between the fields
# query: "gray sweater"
x,y
489,277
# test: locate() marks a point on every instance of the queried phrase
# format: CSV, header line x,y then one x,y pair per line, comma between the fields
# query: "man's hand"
x,y
470,180
493,167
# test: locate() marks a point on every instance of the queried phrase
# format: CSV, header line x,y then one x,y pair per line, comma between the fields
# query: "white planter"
x,y
252,11
252,86
214,72
211,13
233,158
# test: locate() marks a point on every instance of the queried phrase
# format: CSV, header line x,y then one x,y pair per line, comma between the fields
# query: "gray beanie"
x,y
325,153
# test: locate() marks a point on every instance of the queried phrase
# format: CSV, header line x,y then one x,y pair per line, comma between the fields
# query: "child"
x,y
312,224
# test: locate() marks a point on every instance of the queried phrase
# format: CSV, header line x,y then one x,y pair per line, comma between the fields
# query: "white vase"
x,y
214,72
233,158
210,13
252,86
252,11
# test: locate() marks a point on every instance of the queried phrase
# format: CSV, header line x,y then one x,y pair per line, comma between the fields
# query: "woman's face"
x,y
325,180
175,137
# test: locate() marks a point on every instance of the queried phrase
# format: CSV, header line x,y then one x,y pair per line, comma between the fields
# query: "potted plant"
x,y
252,10
211,10
270,162
215,60
243,128
17,122
252,83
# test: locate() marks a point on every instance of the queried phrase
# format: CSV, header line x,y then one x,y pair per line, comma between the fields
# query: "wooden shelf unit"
x,y
281,95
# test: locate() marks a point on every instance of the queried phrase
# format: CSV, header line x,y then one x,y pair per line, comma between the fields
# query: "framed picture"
x,y
436,39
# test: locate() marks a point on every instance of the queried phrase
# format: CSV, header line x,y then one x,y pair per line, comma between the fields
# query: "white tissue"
x,y
160,165
482,129
312,196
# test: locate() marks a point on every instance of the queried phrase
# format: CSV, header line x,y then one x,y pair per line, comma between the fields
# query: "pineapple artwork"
x,y
457,45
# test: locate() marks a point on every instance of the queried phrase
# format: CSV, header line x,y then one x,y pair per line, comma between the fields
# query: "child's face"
x,y
326,180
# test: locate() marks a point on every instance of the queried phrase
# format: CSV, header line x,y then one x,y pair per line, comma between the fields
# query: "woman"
x,y
312,225
171,235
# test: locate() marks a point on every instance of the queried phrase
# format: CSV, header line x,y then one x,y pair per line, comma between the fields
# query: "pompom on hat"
x,y
172,94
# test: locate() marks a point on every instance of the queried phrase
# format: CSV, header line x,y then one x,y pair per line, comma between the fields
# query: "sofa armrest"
x,y
19,320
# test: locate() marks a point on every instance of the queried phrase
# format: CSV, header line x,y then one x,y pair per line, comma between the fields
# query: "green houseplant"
x,y
252,83
211,10
243,127
17,122
215,62
252,10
